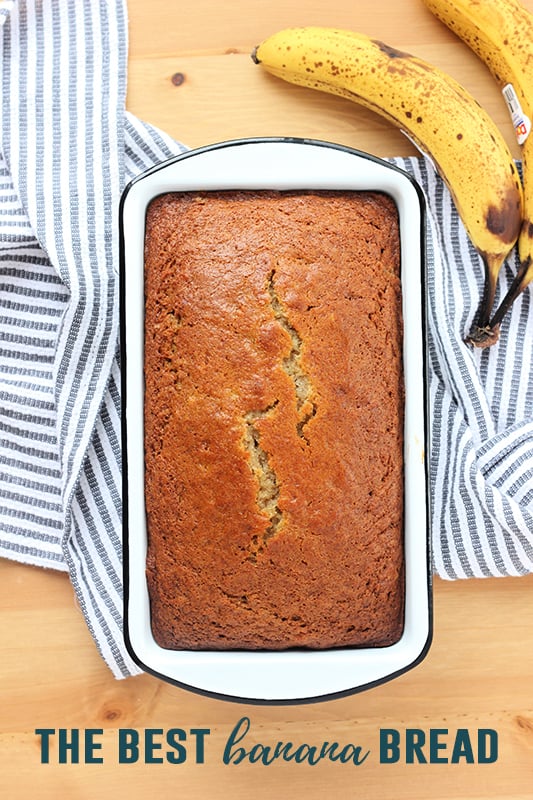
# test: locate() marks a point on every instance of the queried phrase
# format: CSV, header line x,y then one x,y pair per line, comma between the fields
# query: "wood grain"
x,y
479,671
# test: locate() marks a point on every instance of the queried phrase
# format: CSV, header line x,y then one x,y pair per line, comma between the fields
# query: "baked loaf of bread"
x,y
274,420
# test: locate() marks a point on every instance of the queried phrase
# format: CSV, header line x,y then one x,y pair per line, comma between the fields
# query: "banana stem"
x,y
487,334
521,280
492,268
484,337
484,333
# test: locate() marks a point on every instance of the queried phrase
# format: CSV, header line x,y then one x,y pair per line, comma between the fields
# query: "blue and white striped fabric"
x,y
68,148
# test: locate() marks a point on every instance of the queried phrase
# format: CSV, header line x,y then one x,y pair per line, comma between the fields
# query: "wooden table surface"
x,y
479,672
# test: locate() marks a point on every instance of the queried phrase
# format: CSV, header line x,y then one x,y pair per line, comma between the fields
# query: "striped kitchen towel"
x,y
68,148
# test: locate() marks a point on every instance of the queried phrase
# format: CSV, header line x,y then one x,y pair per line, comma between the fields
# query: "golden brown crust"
x,y
273,420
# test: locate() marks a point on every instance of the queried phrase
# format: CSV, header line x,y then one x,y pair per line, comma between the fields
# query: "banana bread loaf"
x,y
274,420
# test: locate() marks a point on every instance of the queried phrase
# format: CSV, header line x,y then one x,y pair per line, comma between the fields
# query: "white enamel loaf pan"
x,y
296,675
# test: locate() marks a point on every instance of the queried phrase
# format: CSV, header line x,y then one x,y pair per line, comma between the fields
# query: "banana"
x,y
434,111
500,32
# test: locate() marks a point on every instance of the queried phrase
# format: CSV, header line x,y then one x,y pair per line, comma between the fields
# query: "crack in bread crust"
x,y
268,490
292,364
267,481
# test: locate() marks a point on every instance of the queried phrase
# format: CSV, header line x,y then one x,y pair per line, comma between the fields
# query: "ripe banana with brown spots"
x,y
437,114
500,32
